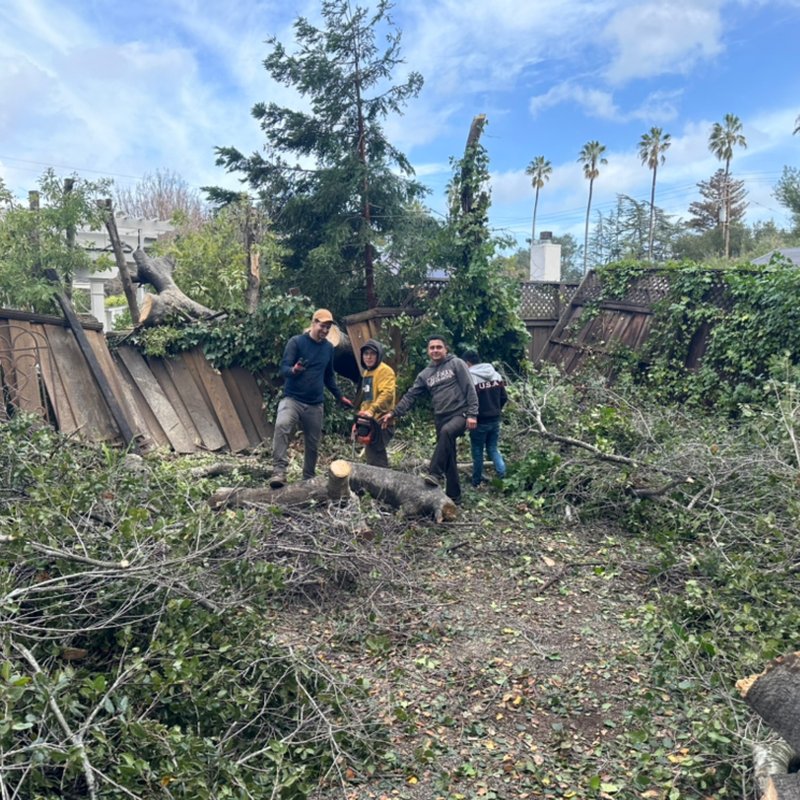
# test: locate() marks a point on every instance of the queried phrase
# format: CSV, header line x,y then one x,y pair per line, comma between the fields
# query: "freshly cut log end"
x,y
339,481
783,787
774,695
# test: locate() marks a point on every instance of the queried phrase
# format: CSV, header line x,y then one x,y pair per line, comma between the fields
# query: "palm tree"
x,y
591,156
540,170
723,138
652,147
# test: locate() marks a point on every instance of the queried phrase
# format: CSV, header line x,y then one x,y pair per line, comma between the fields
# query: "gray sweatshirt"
x,y
450,387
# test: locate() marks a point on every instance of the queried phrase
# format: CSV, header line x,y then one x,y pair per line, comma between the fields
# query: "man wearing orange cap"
x,y
307,369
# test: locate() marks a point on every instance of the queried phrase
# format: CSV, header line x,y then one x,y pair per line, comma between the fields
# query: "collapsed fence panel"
x,y
181,402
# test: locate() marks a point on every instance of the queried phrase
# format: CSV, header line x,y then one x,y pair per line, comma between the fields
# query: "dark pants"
x,y
444,462
375,452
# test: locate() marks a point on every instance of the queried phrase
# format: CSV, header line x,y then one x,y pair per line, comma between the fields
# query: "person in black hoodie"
x,y
492,397
455,409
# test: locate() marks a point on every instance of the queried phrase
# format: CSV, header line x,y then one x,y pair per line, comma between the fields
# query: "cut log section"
x,y
408,493
774,695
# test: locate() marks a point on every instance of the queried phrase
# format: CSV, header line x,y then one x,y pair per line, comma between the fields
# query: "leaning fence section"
x,y
181,403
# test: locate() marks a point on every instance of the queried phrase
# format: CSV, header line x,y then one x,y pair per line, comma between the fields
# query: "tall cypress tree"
x,y
333,183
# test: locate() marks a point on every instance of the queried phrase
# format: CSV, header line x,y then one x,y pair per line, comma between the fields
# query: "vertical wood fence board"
x,y
172,394
178,437
128,405
254,400
640,330
8,381
57,394
137,399
220,400
195,401
239,405
46,367
92,417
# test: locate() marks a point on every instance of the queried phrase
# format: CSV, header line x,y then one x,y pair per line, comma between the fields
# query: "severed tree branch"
x,y
75,738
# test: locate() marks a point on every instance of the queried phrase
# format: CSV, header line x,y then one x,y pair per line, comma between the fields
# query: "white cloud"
x,y
658,38
657,108
595,102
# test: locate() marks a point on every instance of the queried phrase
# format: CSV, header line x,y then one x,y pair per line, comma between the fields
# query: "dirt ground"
x,y
500,664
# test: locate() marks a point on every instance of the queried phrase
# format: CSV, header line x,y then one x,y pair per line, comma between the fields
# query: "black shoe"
x,y
456,500
277,481
432,481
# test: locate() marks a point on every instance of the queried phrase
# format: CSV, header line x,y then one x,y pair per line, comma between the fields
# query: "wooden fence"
x,y
541,306
624,322
181,403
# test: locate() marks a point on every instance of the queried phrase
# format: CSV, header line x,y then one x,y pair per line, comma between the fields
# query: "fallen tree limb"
x,y
170,302
771,760
408,493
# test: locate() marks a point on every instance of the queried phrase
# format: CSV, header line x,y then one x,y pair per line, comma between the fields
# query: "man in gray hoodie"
x,y
455,409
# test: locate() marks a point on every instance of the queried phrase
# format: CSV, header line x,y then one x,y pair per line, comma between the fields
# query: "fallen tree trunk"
x,y
170,302
774,695
408,493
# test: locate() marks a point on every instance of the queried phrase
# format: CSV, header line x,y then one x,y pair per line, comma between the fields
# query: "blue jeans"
x,y
486,435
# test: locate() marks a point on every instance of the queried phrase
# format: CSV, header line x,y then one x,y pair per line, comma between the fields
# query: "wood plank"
x,y
179,438
44,359
194,399
136,398
8,380
642,331
49,319
92,418
239,404
125,398
25,355
164,379
219,399
254,398
57,394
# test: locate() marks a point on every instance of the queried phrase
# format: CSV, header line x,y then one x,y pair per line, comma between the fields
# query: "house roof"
x,y
792,253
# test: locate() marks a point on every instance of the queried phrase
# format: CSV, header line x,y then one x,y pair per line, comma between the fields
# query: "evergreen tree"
x,y
332,182
787,193
625,233
720,189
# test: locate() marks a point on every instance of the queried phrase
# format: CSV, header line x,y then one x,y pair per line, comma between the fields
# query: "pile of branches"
x,y
137,654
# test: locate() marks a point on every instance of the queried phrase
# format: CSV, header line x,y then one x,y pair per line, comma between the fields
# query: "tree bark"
x,y
407,493
119,258
774,695
170,302
253,258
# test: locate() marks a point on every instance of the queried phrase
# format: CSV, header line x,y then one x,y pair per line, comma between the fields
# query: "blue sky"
x,y
120,89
